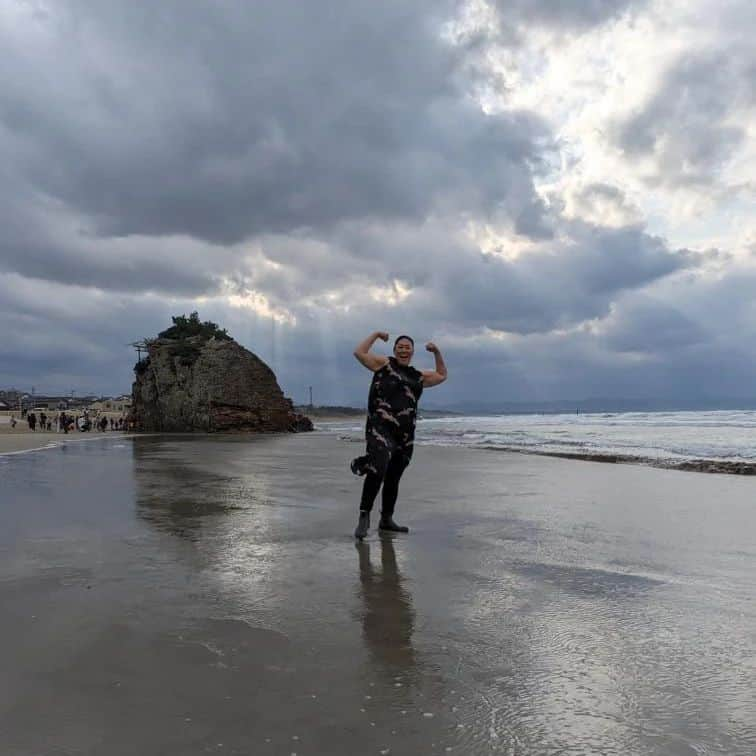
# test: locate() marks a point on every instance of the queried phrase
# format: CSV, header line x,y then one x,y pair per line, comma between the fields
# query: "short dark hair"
x,y
403,336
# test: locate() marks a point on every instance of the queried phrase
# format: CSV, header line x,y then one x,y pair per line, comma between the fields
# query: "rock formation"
x,y
197,378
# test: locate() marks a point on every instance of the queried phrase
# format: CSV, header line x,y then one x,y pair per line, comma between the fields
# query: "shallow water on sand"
x,y
192,595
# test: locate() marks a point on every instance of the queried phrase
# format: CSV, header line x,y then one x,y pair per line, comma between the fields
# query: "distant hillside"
x,y
331,410
326,410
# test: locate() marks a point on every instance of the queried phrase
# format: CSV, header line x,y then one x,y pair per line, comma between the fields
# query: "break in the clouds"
x,y
557,193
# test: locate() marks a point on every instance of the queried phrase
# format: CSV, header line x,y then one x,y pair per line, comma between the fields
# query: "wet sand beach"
x,y
200,594
24,440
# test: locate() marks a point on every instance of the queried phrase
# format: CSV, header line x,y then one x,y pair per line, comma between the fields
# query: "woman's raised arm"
x,y
434,377
366,357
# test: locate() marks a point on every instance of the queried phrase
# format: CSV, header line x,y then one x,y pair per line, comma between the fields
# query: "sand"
x,y
336,418
23,440
204,595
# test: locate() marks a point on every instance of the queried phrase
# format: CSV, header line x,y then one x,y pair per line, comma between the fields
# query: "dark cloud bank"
x,y
329,157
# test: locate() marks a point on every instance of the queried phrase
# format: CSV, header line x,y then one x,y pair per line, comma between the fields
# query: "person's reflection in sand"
x,y
388,619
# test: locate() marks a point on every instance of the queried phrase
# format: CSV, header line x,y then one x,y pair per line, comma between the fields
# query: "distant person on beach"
x,y
31,418
13,421
390,428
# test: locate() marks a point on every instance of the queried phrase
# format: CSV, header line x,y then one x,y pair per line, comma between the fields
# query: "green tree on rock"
x,y
184,327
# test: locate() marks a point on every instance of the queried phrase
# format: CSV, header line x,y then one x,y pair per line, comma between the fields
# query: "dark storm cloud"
x,y
646,325
564,286
226,120
686,336
40,239
59,337
452,282
563,14
685,125
330,158
128,265
689,336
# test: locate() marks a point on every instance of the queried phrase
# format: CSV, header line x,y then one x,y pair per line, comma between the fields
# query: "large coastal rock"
x,y
201,384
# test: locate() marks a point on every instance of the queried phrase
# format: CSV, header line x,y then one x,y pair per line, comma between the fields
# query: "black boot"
x,y
356,466
387,523
362,525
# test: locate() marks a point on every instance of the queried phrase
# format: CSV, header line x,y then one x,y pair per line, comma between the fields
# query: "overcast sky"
x,y
561,195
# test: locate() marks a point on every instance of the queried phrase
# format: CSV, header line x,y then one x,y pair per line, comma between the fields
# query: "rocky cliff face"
x,y
199,384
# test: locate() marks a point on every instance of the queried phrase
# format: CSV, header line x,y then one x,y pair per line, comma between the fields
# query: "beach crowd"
x,y
63,422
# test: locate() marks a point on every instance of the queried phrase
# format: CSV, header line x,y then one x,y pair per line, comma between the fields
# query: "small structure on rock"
x,y
195,377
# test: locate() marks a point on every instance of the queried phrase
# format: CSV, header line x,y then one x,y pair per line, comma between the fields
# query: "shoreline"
x,y
700,465
316,419
721,466
23,442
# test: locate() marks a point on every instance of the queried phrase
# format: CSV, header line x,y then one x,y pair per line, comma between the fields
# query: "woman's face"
x,y
403,351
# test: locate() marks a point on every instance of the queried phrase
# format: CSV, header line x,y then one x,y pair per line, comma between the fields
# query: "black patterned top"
x,y
392,402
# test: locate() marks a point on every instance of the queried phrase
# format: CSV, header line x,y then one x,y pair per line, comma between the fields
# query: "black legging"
x,y
396,466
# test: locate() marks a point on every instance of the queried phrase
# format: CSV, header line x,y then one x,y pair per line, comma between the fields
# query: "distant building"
x,y
13,401
48,403
121,404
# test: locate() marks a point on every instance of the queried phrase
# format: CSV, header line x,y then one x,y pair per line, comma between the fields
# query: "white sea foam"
x,y
722,436
51,445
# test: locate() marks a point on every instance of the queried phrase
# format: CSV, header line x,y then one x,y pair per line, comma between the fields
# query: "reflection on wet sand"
x,y
388,619
176,494
210,596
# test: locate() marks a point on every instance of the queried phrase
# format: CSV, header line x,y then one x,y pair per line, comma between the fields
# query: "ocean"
x,y
721,441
